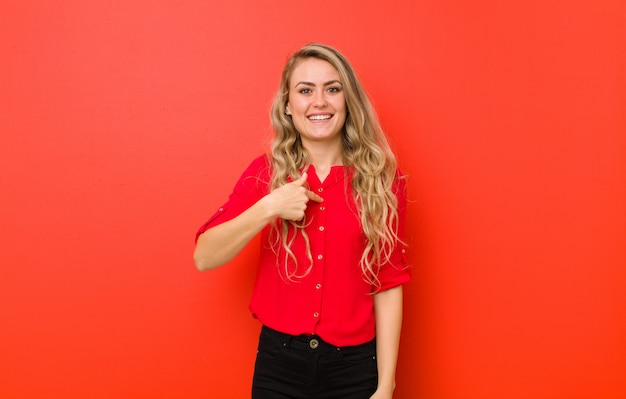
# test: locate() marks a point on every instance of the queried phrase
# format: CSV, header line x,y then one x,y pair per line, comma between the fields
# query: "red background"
x,y
125,124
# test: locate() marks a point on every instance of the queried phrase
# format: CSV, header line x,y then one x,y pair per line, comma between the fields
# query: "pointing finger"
x,y
314,197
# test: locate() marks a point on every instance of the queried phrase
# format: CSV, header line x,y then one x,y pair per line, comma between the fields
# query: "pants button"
x,y
314,343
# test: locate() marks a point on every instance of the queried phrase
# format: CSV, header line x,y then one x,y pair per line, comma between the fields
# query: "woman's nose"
x,y
320,99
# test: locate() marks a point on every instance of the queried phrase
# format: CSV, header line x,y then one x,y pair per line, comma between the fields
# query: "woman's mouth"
x,y
320,117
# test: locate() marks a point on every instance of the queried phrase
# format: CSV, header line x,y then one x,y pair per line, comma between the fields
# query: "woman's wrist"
x,y
268,210
387,386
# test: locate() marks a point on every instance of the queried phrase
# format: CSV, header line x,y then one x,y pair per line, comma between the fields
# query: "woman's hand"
x,y
221,243
289,201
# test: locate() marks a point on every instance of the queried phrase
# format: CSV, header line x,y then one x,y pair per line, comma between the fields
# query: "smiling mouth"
x,y
320,117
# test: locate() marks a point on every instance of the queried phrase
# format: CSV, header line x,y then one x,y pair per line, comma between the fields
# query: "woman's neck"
x,y
323,158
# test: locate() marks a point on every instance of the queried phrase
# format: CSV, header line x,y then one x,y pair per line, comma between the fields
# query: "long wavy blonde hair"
x,y
364,148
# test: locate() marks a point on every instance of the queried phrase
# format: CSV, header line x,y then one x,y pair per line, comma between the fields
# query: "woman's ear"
x,y
287,110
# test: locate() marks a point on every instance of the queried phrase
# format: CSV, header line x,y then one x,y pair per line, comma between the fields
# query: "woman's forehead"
x,y
314,70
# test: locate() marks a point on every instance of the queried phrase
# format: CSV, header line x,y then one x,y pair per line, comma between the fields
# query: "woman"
x,y
330,203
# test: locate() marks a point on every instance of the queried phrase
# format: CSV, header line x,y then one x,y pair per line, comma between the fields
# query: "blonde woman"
x,y
329,203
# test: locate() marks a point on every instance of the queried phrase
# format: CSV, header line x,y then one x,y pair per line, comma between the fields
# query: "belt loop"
x,y
287,343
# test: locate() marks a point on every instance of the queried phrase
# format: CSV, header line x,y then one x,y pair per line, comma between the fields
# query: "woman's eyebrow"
x,y
332,82
305,83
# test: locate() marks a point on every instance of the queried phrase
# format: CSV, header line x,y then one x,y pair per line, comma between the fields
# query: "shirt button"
x,y
318,286
321,228
320,257
320,189
316,314
322,208
221,209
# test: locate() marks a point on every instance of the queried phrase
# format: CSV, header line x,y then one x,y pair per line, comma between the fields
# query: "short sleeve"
x,y
251,186
397,271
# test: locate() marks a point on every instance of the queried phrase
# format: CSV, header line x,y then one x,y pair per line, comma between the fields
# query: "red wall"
x,y
125,124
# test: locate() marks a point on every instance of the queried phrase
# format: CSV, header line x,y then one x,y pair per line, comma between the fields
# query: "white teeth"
x,y
319,117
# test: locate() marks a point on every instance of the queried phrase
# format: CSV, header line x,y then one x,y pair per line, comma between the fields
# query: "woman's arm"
x,y
388,315
221,243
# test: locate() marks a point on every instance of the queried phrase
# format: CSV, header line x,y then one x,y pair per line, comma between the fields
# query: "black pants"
x,y
301,367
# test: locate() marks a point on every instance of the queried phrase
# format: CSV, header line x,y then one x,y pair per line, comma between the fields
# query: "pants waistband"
x,y
308,342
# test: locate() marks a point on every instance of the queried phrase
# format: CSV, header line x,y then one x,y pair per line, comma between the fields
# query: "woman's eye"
x,y
305,91
334,89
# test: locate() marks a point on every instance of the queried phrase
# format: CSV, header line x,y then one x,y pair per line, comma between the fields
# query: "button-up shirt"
x,y
332,299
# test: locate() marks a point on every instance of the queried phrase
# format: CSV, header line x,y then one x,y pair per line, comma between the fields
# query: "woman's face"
x,y
316,102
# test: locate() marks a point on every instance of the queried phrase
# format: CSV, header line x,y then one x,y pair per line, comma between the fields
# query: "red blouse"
x,y
332,300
